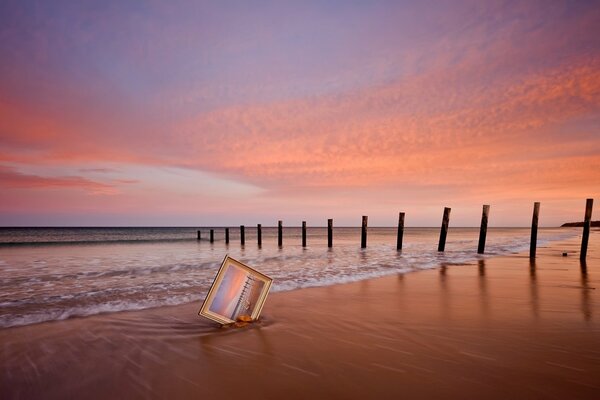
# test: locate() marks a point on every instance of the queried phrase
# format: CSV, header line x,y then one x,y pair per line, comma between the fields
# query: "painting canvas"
x,y
238,292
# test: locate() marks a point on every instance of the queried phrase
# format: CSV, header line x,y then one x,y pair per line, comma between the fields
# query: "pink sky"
x,y
233,114
229,291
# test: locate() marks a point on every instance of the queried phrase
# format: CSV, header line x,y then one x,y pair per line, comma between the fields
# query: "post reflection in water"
x,y
444,296
399,259
330,257
363,255
485,305
586,309
533,287
481,267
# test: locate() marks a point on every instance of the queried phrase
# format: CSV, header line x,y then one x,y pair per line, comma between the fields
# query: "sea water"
x,y
56,273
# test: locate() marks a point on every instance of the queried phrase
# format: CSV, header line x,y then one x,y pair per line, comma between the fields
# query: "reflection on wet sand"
x,y
483,292
443,269
586,290
533,288
444,295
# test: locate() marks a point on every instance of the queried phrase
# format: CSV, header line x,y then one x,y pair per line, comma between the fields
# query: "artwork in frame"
x,y
237,293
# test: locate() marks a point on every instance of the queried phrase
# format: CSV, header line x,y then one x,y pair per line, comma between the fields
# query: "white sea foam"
x,y
46,283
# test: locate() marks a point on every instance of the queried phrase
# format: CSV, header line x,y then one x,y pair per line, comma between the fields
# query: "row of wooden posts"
x,y
443,231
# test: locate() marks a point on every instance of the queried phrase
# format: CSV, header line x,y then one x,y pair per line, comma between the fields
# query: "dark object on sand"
x,y
587,222
534,226
259,234
280,233
303,233
444,229
564,254
483,229
363,232
400,231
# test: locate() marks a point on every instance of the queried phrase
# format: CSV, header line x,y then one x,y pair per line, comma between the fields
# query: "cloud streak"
x,y
11,179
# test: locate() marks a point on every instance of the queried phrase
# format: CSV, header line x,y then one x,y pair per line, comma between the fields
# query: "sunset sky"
x,y
225,113
229,291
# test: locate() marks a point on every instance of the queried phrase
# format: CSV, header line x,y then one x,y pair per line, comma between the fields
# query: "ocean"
x,y
57,273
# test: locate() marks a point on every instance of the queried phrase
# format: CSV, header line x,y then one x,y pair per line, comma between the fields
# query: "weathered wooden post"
x,y
587,222
199,235
483,229
226,235
400,231
534,226
259,234
444,229
212,235
280,233
303,233
242,235
363,233
330,232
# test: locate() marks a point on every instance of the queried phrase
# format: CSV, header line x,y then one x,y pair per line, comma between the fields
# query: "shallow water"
x,y
56,273
504,327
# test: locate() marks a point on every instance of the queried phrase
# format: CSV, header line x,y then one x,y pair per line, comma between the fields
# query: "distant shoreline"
x,y
594,224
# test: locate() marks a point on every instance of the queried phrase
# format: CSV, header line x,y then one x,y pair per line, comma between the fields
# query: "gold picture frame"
x,y
237,291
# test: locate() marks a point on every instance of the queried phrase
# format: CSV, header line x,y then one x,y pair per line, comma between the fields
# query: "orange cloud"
x,y
368,137
11,179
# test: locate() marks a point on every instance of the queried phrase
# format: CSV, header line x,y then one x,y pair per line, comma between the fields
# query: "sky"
x,y
229,291
223,113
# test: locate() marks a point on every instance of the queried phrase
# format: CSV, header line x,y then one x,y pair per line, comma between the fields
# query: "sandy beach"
x,y
499,328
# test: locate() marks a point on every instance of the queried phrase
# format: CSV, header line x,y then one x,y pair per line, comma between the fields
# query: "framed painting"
x,y
237,293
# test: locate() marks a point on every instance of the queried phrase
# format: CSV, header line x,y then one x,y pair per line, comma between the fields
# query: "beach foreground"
x,y
500,328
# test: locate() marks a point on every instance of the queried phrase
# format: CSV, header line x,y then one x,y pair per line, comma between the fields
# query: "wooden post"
x,y
587,221
303,233
242,235
280,233
212,235
226,235
400,231
199,235
444,229
534,226
483,229
259,234
330,233
363,233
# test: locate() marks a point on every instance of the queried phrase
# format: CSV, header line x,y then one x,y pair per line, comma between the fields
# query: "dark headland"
x,y
594,224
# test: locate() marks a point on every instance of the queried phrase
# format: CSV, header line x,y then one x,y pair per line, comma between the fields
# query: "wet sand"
x,y
500,328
